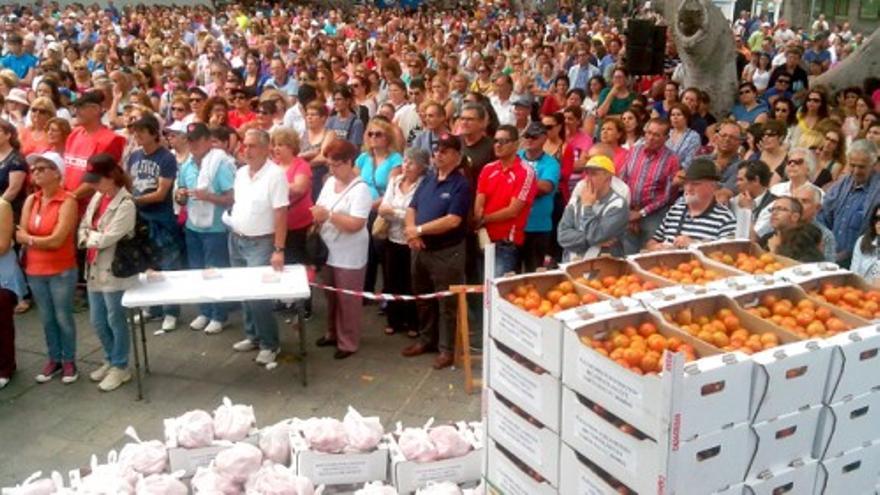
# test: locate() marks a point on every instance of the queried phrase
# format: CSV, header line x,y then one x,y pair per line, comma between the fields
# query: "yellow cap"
x,y
601,162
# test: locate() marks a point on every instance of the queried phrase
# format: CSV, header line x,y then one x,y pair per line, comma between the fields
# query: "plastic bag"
x,y
441,488
362,434
416,445
233,422
275,443
35,484
239,461
449,442
112,478
209,481
376,488
325,435
275,479
195,429
144,457
160,484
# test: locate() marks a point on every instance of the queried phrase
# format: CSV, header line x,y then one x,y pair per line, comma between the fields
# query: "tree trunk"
x,y
704,40
862,63
797,13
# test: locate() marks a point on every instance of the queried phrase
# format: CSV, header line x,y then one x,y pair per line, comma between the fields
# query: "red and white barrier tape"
x,y
392,297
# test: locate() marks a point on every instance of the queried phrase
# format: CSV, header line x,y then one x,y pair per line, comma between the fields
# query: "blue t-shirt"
x,y
350,129
740,114
377,177
223,181
546,168
145,171
20,64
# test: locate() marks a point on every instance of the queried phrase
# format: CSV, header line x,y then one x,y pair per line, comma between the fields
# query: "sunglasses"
x,y
41,168
814,100
178,109
501,141
780,209
43,111
796,161
238,97
196,100
375,134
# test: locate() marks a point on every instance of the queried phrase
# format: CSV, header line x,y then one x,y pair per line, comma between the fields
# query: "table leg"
x,y
134,348
301,327
144,342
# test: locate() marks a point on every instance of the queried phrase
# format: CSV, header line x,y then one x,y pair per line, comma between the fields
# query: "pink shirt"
x,y
299,215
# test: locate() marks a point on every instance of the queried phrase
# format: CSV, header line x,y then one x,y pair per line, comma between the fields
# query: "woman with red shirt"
x,y
613,134
47,228
555,99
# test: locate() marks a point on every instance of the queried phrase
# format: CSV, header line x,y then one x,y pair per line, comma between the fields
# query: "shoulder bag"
x,y
135,253
316,248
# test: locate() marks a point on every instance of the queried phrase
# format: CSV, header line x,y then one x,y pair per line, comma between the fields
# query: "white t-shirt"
x,y
256,198
346,249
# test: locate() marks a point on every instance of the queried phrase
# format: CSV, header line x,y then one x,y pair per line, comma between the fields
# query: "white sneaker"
x,y
4,382
100,373
146,314
245,345
114,379
169,323
266,356
214,327
199,323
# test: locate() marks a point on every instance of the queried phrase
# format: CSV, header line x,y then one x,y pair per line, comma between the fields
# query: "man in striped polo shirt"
x,y
696,217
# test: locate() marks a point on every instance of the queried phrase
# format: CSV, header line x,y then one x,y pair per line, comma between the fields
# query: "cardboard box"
x,y
673,258
531,388
630,457
786,438
596,269
715,388
581,476
857,355
509,475
187,460
524,436
800,478
409,476
839,279
337,469
850,422
590,311
853,472
539,339
711,461
668,295
807,271
733,247
743,284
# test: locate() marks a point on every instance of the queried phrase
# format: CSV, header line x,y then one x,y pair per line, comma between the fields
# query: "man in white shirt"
x,y
502,100
258,224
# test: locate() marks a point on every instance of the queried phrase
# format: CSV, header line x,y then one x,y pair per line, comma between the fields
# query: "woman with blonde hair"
x,y
34,137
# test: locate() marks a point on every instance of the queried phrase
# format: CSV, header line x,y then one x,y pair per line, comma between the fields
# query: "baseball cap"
x,y
177,126
449,141
148,122
197,130
601,162
47,156
100,165
702,169
535,129
522,101
94,97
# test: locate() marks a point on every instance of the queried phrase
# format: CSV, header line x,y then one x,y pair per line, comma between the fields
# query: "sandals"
x,y
23,306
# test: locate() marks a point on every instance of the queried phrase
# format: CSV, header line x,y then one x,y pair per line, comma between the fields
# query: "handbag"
x,y
316,249
134,254
380,228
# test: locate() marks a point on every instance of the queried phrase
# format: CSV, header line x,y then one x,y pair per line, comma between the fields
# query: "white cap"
x,y
177,126
49,156
18,96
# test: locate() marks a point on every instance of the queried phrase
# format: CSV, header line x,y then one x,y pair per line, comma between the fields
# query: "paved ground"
x,y
55,426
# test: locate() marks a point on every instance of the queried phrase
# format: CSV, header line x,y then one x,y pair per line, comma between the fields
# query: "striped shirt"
x,y
715,223
650,176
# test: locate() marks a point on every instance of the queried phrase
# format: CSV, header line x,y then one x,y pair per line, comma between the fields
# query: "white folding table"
x,y
220,285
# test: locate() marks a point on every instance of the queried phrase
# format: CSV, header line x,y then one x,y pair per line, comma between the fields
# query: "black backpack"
x,y
134,254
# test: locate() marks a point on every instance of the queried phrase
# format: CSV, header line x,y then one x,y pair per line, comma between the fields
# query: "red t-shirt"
x,y
500,186
299,214
237,119
82,145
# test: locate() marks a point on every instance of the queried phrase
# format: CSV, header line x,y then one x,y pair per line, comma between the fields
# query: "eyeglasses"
x,y
238,97
178,109
44,111
796,161
41,168
196,100
831,140
781,109
770,134
374,134
745,91
501,141
780,209
814,100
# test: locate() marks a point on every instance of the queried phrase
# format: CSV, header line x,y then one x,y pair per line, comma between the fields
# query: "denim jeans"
x,y
208,250
260,325
169,245
54,297
108,317
506,258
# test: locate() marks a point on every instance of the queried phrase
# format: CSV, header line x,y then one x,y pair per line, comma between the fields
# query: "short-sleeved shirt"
x,y
501,185
346,249
13,162
299,214
618,105
20,64
145,171
741,114
717,222
546,168
437,198
480,154
82,145
377,177
257,198
222,182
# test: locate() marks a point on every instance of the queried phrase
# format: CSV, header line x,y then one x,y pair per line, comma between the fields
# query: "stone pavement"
x,y
56,426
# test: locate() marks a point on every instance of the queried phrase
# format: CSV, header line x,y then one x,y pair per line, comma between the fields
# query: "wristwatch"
x,y
643,213
279,249
419,230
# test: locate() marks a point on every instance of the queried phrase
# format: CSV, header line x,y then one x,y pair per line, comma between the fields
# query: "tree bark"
x,y
797,13
704,40
852,71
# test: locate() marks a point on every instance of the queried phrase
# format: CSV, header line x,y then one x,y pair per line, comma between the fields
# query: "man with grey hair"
x,y
811,201
258,225
849,200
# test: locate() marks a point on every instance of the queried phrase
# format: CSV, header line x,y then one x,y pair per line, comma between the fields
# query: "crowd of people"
x,y
250,136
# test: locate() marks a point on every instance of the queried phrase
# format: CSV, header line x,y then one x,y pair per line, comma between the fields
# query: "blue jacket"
x,y
845,211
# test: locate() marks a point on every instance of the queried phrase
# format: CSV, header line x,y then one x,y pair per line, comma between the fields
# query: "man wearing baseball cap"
x,y
539,225
596,218
696,216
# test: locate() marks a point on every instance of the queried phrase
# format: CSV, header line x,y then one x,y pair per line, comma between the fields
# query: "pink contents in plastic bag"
x,y
160,484
233,422
239,461
363,434
195,429
417,446
209,481
274,479
275,443
449,442
325,435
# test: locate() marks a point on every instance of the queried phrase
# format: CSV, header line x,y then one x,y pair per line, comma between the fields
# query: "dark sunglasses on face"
x,y
814,100
796,161
502,141
375,134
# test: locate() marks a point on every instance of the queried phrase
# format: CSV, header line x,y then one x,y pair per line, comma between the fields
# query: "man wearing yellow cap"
x,y
597,217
